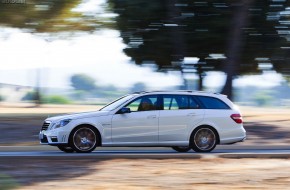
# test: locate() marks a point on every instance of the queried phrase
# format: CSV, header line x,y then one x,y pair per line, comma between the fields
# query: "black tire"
x,y
66,149
181,148
204,139
84,139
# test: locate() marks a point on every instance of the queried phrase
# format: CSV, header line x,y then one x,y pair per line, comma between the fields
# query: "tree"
x,y
235,44
166,31
83,82
282,57
50,16
139,86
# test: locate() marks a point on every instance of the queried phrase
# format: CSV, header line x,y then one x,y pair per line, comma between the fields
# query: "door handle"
x,y
191,114
151,116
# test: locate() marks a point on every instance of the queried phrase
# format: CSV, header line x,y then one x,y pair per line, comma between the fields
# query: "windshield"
x,y
115,104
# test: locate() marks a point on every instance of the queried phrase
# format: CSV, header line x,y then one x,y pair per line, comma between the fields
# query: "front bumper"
x,y
53,137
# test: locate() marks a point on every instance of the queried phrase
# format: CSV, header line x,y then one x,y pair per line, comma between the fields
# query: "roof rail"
x,y
138,92
144,92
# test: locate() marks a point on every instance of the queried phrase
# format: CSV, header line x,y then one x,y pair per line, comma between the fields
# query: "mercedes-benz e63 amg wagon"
x,y
182,120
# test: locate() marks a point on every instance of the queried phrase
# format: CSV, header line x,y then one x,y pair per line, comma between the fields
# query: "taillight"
x,y
237,118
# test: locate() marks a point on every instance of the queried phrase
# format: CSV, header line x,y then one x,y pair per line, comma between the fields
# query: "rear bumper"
x,y
233,141
234,136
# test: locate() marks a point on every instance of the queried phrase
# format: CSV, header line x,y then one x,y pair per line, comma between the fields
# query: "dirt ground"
x,y
153,174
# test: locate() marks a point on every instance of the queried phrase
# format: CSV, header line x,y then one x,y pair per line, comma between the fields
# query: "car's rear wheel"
x,y
204,139
66,149
84,139
181,148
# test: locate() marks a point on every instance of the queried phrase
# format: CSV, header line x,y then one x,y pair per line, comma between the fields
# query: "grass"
x,y
7,182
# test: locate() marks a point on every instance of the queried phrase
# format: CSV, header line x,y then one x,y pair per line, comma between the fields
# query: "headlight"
x,y
61,123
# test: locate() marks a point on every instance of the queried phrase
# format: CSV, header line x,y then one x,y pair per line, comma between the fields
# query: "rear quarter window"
x,y
212,103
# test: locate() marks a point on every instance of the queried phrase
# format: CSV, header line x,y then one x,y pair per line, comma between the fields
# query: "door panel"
x,y
174,125
180,113
135,127
141,125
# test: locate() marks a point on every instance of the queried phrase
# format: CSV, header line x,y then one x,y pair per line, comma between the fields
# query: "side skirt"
x,y
146,144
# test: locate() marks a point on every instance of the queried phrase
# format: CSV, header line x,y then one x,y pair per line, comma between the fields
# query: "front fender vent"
x,y
45,126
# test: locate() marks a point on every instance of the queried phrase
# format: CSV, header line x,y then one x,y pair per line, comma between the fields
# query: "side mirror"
x,y
124,110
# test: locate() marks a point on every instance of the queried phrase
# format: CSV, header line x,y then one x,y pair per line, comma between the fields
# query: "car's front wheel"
x,y
204,139
84,139
66,149
181,148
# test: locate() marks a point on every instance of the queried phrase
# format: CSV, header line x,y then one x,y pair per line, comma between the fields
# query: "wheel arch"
x,y
201,126
87,125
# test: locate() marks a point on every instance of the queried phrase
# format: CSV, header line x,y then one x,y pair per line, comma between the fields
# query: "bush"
x,y
83,82
79,95
55,99
7,182
2,98
263,98
29,96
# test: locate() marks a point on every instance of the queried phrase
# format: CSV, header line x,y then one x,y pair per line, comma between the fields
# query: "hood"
x,y
80,115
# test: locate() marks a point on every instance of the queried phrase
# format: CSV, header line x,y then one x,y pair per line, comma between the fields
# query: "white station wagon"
x,y
182,120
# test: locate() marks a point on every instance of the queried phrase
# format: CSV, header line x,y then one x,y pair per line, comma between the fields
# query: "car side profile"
x,y
182,120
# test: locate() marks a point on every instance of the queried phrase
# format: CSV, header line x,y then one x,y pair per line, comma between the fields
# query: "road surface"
x,y
149,152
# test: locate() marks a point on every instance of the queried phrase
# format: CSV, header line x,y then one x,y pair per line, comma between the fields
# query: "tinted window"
x,y
144,103
193,104
176,102
212,103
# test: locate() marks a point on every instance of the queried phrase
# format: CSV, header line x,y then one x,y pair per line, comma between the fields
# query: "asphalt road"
x,y
148,152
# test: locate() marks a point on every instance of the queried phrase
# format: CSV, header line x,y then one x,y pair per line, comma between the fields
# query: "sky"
x,y
99,55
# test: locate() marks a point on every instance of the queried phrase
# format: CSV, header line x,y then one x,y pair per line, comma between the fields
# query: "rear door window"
x,y
212,103
177,102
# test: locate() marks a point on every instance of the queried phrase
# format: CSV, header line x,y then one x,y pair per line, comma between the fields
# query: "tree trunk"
x,y
176,35
201,73
200,82
234,44
37,98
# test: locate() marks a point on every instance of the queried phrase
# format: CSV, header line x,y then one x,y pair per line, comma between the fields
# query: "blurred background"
x,y
60,56
93,51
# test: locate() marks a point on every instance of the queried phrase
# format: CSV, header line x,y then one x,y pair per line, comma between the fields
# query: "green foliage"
x,y
263,98
6,182
167,31
79,95
83,82
40,15
2,98
287,77
51,99
226,35
109,88
111,94
137,87
30,96
50,16
55,99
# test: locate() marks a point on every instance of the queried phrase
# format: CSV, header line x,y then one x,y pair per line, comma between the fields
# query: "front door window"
x,y
144,103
